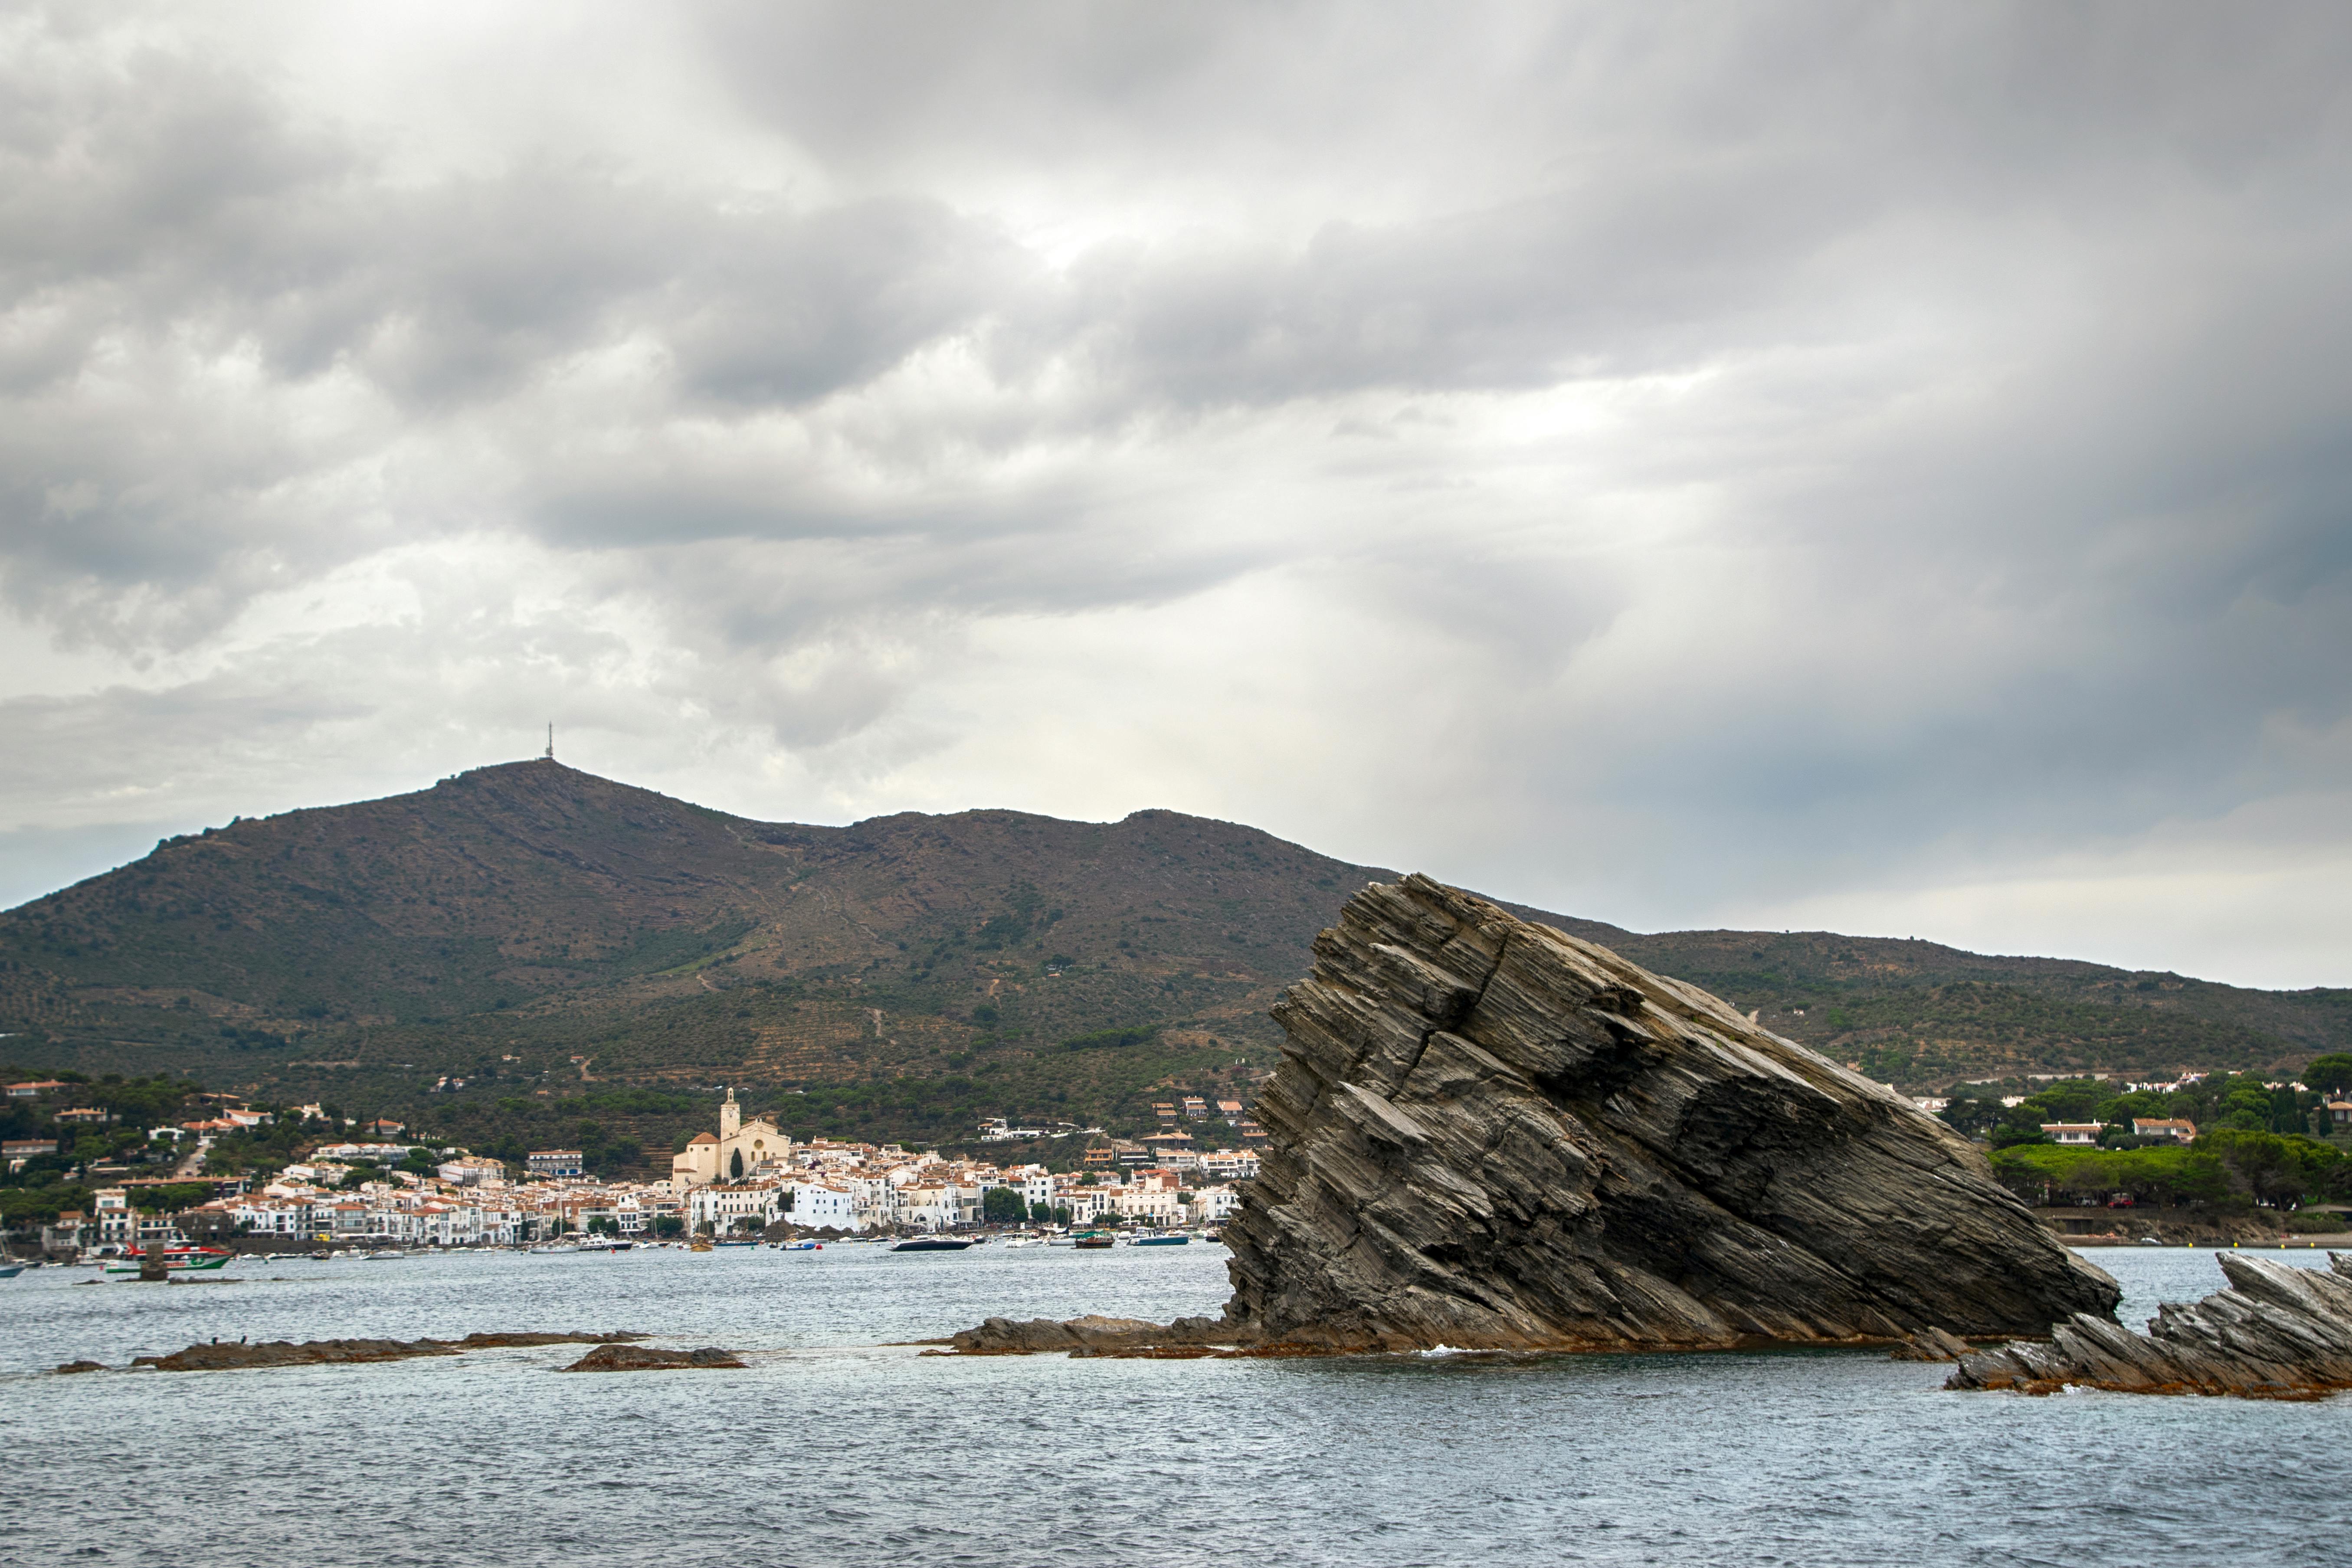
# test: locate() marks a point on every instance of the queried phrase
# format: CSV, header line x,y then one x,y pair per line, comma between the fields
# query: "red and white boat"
x,y
180,1258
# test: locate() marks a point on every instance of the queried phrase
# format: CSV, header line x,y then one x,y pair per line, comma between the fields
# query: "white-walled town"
x,y
747,1180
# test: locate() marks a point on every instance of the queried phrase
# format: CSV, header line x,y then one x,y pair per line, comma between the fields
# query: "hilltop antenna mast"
x,y
549,755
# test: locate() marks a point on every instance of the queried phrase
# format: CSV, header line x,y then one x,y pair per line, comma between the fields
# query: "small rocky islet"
x,y
226,1355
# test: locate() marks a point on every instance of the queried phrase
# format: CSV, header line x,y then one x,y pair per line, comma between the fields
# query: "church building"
x,y
741,1148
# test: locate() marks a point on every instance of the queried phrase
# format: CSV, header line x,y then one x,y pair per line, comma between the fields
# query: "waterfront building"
x,y
723,1207
1214,1205
820,1205
111,1210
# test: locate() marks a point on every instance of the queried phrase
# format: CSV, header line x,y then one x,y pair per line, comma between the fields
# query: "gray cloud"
x,y
1725,458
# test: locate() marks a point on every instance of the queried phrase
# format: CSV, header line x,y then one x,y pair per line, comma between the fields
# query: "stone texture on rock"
x,y
1489,1134
2277,1333
223,1356
1931,1344
1089,1335
645,1358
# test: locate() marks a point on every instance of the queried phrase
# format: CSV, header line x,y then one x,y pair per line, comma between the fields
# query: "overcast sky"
x,y
1875,466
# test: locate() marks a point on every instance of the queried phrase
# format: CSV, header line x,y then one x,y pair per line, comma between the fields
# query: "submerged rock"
x,y
645,1358
281,1352
2277,1333
1489,1134
220,1356
1091,1334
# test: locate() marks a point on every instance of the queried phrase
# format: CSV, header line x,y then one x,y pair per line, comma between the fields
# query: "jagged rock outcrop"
x,y
2277,1333
1489,1134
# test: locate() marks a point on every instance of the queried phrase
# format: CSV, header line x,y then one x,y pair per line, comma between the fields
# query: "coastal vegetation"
x,y
2222,1169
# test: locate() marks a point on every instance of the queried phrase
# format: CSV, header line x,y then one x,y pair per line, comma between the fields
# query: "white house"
x,y
1229,1164
724,1208
819,1206
116,1224
1214,1205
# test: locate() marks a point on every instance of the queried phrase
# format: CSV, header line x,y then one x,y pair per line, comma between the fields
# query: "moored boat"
x,y
181,1258
931,1244
1161,1240
1094,1241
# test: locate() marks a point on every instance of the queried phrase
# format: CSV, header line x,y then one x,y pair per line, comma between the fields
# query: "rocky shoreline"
x,y
2276,1332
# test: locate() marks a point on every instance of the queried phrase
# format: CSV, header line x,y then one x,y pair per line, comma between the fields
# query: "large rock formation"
x,y
2277,1333
1489,1135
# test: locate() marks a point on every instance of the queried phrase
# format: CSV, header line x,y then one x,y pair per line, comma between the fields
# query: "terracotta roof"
x,y
701,1138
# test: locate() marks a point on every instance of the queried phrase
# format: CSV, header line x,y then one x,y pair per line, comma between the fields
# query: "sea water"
x,y
840,1445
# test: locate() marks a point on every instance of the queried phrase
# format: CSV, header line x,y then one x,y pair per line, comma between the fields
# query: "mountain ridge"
x,y
528,926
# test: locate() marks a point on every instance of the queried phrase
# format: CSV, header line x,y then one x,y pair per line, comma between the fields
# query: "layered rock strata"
x,y
2277,1333
1489,1134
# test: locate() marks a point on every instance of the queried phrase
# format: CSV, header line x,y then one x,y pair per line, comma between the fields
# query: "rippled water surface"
x,y
836,1446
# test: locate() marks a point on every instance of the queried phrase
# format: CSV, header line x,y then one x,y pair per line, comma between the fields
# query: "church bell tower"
x,y
730,1117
